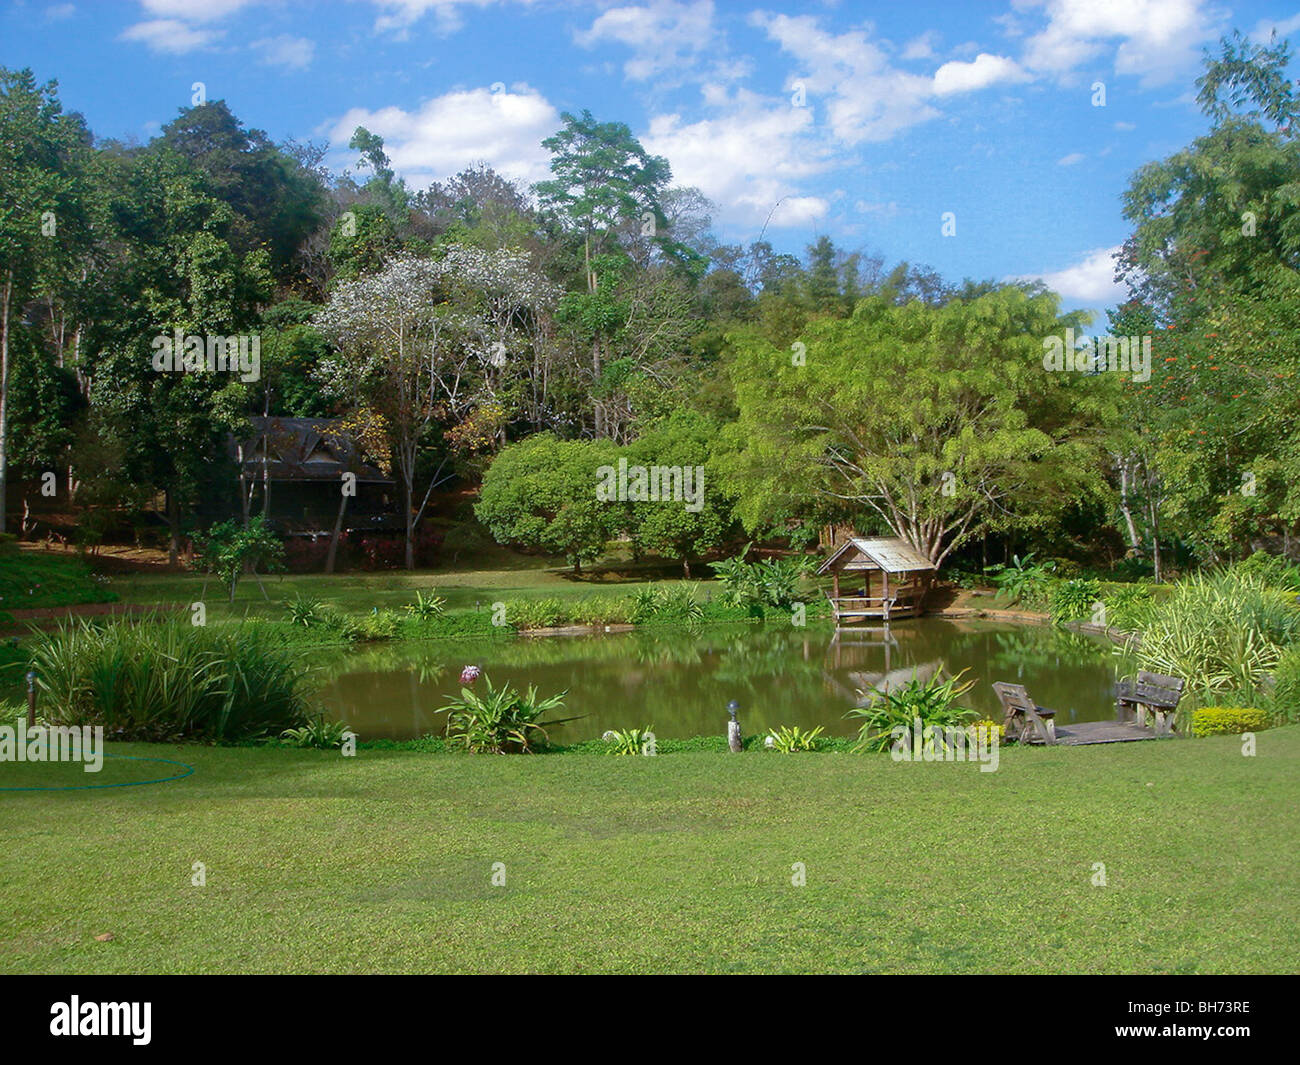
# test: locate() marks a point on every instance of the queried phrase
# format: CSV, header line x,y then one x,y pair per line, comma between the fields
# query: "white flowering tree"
x,y
425,341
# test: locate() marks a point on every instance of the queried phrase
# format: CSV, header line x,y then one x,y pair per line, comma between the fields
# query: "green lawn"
x,y
360,592
319,863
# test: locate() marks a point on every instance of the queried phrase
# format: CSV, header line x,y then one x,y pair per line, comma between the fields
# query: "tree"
x,y
1214,261
604,181
230,550
936,423
418,344
541,494
37,188
681,529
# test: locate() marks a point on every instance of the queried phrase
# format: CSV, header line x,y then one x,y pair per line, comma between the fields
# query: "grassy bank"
x,y
683,863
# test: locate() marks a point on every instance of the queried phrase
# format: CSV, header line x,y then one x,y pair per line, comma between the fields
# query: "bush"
x,y
500,720
1227,721
1223,633
1022,582
1126,605
150,679
600,610
789,739
536,613
1284,699
934,701
378,625
631,741
1073,599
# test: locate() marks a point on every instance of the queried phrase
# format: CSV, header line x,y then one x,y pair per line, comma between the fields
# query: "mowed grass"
x,y
362,592
682,863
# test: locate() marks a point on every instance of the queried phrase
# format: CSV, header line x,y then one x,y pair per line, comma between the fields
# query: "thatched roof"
x,y
887,553
306,449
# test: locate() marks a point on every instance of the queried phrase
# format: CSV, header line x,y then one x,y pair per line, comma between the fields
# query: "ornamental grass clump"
x,y
153,679
1223,633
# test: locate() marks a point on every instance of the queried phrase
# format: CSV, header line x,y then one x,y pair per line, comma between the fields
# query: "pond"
x,y
679,682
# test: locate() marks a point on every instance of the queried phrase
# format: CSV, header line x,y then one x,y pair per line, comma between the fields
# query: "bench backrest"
x,y
1013,697
1158,690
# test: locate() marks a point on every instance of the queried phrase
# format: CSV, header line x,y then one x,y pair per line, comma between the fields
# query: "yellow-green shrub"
x,y
1227,720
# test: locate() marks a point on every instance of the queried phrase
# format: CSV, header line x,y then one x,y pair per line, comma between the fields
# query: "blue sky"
x,y
863,121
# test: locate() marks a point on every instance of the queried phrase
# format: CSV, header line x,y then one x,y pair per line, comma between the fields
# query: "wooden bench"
x,y
1151,693
1025,721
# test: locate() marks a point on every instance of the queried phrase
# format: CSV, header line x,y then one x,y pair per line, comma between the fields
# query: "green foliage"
x,y
540,494
1222,632
542,613
632,741
1226,721
379,625
305,610
229,548
317,733
1074,599
1126,605
500,720
933,700
1273,570
167,680
771,582
1284,698
791,738
1024,582
426,607
938,420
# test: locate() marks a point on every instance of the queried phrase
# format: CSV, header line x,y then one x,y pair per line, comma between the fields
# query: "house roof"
x,y
306,450
887,553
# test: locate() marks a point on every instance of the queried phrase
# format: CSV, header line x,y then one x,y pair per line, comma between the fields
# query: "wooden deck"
x,y
1085,732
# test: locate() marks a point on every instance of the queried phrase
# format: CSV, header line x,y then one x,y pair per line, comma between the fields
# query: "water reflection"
x,y
680,682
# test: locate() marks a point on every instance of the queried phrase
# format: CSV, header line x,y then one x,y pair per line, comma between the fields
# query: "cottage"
x,y
293,470
905,577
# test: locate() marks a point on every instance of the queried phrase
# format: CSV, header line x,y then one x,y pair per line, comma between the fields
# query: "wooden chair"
x,y
1151,693
1025,721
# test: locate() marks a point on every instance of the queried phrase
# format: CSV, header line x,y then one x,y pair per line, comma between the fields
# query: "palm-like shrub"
x,y
501,720
933,700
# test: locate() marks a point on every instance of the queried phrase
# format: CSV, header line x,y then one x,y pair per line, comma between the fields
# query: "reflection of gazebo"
x,y
911,573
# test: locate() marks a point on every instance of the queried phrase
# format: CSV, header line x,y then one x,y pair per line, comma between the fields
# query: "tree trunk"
x,y
686,568
174,528
338,529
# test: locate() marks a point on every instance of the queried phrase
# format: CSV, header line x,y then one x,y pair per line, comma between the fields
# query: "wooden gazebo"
x,y
905,576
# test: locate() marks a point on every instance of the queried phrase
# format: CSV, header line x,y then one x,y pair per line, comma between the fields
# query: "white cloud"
x,y
661,34
1282,27
451,132
1071,159
1156,40
193,10
169,35
867,98
921,47
984,70
747,158
1089,281
295,53
59,12
1125,127
400,15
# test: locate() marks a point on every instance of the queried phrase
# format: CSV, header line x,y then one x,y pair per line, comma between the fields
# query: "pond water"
x,y
680,682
